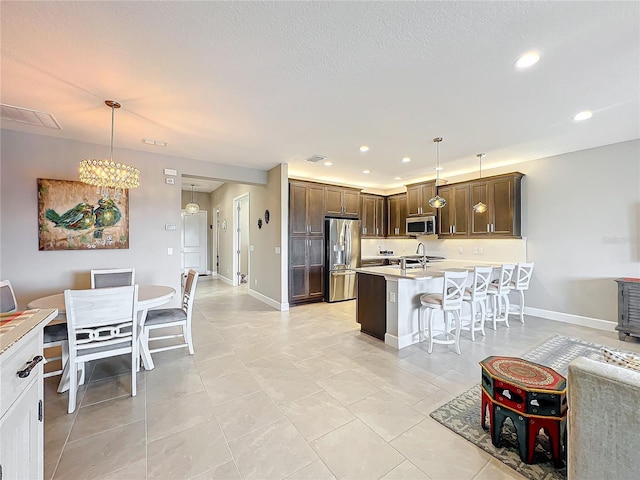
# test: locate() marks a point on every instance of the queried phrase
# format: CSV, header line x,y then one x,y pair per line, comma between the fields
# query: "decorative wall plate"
x,y
266,216
259,223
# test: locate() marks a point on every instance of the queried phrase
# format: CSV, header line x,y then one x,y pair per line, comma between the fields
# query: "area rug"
x,y
462,414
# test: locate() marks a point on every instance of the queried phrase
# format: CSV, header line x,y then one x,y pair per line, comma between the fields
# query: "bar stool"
x,y
520,284
477,295
499,294
449,302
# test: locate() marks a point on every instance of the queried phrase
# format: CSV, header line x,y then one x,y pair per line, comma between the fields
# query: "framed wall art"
x,y
75,216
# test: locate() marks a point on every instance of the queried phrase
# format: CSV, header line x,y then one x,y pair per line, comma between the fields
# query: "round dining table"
x,y
149,296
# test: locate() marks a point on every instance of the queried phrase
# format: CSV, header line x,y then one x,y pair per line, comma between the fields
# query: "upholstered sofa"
x,y
603,421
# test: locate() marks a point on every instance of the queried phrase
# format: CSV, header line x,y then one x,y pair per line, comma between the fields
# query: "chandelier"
x,y
192,208
480,207
106,174
437,201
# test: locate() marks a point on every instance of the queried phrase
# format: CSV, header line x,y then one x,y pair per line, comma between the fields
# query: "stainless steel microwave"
x,y
421,226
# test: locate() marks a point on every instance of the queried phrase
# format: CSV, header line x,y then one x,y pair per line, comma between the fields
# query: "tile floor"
x,y
273,395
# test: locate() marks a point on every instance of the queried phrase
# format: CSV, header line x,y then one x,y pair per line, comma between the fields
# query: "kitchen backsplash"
x,y
486,250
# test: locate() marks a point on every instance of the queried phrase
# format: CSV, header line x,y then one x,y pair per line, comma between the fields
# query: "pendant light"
x,y
480,207
106,174
437,201
192,208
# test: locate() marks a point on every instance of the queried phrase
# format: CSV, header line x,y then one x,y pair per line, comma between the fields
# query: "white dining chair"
x,y
101,323
449,302
476,296
172,317
498,293
8,302
113,277
520,284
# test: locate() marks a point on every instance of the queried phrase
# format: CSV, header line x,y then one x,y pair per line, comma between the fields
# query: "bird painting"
x,y
107,214
79,217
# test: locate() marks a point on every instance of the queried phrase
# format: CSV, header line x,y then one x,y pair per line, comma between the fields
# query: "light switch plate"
x,y
170,171
170,180
169,226
169,251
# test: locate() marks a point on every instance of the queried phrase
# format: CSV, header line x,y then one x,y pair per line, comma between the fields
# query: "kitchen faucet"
x,y
423,262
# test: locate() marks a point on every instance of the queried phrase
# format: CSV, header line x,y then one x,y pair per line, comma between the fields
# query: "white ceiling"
x,y
260,83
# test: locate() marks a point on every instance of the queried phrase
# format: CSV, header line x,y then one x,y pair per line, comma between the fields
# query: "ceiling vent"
x,y
29,117
315,158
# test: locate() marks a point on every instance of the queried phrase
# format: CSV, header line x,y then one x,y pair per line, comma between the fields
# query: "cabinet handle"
x,y
493,228
453,227
30,366
488,227
397,230
377,231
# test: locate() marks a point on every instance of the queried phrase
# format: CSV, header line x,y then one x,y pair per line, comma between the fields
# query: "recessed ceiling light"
x,y
366,171
528,59
397,178
406,160
327,163
364,148
584,115
157,143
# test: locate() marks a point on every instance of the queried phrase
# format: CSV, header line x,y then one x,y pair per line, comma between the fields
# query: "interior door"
x,y
194,241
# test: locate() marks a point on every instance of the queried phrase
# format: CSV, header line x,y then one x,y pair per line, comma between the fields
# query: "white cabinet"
x,y
21,407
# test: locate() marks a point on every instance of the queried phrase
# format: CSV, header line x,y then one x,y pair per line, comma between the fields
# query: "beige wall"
x,y
265,276
26,157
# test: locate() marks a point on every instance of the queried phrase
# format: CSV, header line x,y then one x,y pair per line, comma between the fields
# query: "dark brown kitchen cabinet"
x,y
344,202
306,242
372,216
306,208
306,269
397,207
418,196
502,195
453,218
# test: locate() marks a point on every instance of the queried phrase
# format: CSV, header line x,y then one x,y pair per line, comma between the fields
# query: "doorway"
x,y
193,241
241,240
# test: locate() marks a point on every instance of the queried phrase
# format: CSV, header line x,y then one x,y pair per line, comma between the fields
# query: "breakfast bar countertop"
x,y
433,269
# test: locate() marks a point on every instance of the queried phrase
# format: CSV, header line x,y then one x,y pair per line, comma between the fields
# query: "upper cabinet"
x,y
397,208
372,215
418,196
453,218
342,201
502,195
306,208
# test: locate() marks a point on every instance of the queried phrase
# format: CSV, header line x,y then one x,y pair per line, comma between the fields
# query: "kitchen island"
x,y
388,298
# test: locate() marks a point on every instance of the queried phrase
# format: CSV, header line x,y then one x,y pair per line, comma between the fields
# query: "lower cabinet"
x,y
21,423
306,269
371,309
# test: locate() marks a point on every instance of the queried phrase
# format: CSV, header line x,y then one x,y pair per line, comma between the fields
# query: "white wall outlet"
x,y
480,251
170,180
251,248
169,251
255,282
277,249
460,250
169,226
392,297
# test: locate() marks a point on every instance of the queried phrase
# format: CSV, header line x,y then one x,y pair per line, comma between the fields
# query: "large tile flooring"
x,y
272,395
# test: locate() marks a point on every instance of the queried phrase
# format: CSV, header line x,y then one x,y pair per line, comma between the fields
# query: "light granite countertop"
x,y
16,325
433,269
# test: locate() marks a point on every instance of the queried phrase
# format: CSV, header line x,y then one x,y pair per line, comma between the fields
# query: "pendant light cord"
x,y
113,110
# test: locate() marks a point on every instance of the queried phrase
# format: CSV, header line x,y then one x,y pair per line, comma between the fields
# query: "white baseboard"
x,y
225,280
570,318
400,342
283,307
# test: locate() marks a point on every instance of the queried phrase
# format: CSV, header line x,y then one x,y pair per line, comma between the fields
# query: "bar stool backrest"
x,y
523,276
454,283
504,280
481,281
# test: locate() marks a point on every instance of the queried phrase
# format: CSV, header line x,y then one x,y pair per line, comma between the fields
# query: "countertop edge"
x,y
24,327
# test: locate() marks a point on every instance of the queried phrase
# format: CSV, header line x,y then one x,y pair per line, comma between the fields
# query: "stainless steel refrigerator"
x,y
342,257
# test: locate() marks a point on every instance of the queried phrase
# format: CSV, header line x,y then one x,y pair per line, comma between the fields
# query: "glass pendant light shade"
x,y
437,201
107,174
192,207
480,207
